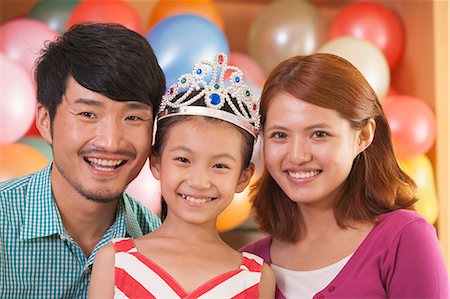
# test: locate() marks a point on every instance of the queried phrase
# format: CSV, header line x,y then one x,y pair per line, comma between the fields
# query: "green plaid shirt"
x,y
38,258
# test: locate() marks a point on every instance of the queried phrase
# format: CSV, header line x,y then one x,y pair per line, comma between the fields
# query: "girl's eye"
x,y
182,160
220,166
320,134
278,135
88,114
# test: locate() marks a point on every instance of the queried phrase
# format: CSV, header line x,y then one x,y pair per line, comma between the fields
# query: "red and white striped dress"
x,y
136,276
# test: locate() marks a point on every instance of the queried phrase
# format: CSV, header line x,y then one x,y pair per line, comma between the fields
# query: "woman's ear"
x,y
245,177
155,165
43,123
365,137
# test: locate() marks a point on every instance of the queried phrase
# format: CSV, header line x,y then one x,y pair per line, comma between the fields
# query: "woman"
x,y
333,198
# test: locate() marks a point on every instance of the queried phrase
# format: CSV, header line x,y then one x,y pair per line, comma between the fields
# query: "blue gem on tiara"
x,y
208,81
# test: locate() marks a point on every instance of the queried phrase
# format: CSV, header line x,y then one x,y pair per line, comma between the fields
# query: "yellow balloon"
x,y
420,170
19,159
237,212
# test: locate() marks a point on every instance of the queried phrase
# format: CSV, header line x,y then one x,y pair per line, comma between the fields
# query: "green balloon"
x,y
39,144
54,13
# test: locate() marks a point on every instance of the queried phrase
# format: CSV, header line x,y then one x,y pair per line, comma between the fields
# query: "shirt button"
x,y
320,296
330,288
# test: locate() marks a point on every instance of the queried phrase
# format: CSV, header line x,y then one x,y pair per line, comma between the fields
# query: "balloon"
x,y
146,189
374,22
54,14
33,131
18,101
202,8
39,144
19,159
182,41
284,29
106,11
420,170
22,39
366,57
412,124
251,69
237,212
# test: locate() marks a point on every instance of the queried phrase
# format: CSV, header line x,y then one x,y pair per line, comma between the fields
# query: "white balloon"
x,y
366,57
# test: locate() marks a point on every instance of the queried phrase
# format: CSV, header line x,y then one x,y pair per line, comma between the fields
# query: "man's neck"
x,y
86,221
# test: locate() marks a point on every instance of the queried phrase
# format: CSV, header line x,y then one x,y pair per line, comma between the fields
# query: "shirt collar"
x,y
41,216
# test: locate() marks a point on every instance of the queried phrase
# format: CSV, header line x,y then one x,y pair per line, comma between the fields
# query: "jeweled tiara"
x,y
208,80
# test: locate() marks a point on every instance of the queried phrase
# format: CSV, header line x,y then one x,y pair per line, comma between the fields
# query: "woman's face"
x,y
308,150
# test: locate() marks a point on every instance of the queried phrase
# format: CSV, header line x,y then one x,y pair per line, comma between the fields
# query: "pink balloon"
x,y
251,69
18,101
146,189
22,39
412,124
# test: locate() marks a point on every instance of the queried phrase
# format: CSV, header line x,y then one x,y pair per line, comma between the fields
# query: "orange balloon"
x,y
420,170
106,11
19,159
237,212
202,8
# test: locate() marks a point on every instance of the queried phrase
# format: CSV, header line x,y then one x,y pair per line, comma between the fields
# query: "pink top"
x,y
400,258
136,276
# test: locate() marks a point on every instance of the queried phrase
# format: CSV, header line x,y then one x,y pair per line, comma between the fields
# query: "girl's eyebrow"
x,y
188,150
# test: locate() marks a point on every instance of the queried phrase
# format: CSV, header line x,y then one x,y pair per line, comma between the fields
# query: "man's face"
x,y
99,145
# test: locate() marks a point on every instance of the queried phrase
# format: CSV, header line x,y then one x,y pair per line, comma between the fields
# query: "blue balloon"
x,y
183,40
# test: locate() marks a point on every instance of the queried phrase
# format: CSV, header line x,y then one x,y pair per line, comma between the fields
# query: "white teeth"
x,y
303,174
103,162
196,200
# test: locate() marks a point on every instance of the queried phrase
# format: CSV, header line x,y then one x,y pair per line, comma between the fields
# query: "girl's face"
x,y
308,150
200,169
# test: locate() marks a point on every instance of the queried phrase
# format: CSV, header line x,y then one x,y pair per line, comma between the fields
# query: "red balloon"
x,y
373,22
106,11
412,124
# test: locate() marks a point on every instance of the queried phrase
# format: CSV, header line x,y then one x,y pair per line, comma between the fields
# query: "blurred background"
x,y
400,46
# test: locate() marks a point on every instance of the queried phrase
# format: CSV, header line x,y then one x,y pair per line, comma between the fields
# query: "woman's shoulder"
x,y
401,218
260,247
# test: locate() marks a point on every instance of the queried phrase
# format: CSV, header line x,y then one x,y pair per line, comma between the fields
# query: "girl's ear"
x,y
155,165
245,177
43,122
365,137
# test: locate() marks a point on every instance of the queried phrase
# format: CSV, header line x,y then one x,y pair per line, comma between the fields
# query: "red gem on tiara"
x,y
255,107
220,59
171,90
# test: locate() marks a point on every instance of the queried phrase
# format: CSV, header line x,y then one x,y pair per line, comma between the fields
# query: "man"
x,y
99,86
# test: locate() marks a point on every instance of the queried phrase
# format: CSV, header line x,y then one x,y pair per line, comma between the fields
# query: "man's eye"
x,y
88,114
320,134
134,118
278,135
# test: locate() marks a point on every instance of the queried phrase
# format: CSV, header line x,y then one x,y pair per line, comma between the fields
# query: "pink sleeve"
x,y
418,269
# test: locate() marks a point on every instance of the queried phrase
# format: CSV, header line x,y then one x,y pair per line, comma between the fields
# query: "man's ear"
x,y
365,137
155,165
245,177
43,123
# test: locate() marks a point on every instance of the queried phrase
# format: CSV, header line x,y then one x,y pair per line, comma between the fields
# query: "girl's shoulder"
x,y
261,248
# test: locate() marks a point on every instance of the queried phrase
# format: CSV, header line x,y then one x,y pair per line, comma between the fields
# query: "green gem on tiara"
x,y
247,93
217,86
183,80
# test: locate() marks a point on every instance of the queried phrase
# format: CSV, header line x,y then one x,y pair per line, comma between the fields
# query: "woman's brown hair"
x,y
375,185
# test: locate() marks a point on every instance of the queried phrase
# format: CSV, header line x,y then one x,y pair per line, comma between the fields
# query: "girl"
x,y
201,155
333,198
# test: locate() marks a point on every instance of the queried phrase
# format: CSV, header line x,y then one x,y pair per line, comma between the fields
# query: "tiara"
x,y
208,81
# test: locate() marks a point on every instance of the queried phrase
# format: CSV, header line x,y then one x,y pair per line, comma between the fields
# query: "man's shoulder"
x,y
139,215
